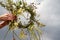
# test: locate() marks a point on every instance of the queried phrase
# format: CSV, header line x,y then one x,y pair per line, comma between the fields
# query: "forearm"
x,y
4,23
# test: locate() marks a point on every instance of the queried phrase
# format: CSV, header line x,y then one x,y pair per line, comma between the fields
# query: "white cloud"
x,y
50,15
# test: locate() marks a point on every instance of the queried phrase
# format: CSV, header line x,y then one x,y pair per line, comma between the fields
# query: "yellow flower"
x,y
31,28
16,24
22,35
11,27
20,10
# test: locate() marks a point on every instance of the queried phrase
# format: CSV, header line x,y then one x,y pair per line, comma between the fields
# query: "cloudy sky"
x,y
50,16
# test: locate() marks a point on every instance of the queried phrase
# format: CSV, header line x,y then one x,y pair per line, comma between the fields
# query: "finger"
x,y
4,18
4,15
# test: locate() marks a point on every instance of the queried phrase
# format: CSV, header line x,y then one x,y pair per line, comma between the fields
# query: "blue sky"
x,y
49,11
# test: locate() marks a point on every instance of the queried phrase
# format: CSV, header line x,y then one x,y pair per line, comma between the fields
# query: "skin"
x,y
6,18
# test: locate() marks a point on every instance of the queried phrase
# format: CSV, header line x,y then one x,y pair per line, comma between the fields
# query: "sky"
x,y
50,15
49,11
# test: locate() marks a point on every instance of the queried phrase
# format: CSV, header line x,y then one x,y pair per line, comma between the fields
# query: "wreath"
x,y
18,8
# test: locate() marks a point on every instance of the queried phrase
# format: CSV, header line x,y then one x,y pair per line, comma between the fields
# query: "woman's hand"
x,y
6,18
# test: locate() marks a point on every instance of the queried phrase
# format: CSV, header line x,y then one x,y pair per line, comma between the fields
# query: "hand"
x,y
11,17
7,16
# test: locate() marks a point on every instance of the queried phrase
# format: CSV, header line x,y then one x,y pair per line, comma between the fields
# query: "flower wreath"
x,y
17,9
